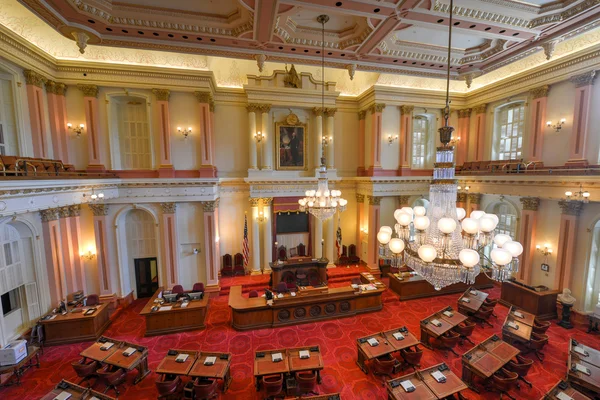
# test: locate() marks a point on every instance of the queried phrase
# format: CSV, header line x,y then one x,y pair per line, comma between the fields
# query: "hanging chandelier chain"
x,y
447,108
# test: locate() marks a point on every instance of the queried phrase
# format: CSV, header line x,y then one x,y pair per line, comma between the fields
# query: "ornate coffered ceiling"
x,y
391,36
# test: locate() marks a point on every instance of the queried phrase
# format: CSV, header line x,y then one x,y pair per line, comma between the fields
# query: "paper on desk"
x,y
473,292
373,342
63,396
276,357
580,350
398,336
93,398
408,386
182,357
518,314
304,354
513,325
130,351
210,360
107,345
165,308
52,317
465,300
582,369
448,313
563,396
438,376
184,304
436,322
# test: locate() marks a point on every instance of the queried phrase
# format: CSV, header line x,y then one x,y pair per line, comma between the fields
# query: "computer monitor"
x,y
196,295
170,298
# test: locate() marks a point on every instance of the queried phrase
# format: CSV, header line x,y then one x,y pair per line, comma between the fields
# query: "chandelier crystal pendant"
x,y
439,243
322,202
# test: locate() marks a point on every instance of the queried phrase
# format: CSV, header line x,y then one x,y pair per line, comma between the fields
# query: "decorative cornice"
x,y
267,201
99,210
530,203
162,94
403,200
210,206
584,79
374,200
464,113
88,90
571,207
474,198
461,197
405,109
360,198
254,201
330,112
168,208
75,211
377,108
50,214
539,92
362,114
63,212
480,109
33,78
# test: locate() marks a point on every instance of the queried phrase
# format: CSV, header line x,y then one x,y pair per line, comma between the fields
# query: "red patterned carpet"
x,y
337,339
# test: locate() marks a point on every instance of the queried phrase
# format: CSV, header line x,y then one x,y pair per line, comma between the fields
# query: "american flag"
x,y
245,248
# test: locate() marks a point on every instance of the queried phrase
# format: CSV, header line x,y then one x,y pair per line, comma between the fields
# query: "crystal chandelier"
x,y
431,241
322,202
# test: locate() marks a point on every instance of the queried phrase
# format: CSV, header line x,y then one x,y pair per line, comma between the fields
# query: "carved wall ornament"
x,y
63,212
530,203
377,108
210,206
584,79
330,112
469,80
571,207
373,200
351,70
253,107
260,61
291,78
60,89
461,197
464,113
403,200
362,114
541,91
33,78
265,108
360,198
81,38
168,208
88,90
75,211
474,198
50,86
254,201
318,111
480,109
99,210
50,214
406,109
548,48
267,201
205,97
162,94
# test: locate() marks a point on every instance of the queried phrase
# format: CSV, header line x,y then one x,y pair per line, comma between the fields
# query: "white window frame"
x,y
419,148
509,131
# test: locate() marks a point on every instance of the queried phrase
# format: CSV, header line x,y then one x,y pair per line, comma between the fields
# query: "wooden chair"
x,y
227,265
411,358
205,389
353,258
540,327
171,389
273,386
36,338
491,303
503,381
447,342
536,344
282,253
111,378
521,366
483,315
238,264
344,260
85,371
385,365
307,382
465,330
301,250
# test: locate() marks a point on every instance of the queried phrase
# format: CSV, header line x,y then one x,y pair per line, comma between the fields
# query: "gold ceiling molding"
x,y
33,78
480,109
88,90
162,94
541,91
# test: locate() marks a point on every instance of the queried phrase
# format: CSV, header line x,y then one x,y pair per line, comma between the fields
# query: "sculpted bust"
x,y
566,298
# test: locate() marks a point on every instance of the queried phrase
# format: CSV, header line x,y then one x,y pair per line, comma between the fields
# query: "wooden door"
x,y
146,276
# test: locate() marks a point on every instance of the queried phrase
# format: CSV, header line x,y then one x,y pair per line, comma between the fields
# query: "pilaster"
x,y
376,111
360,222
170,243
527,235
211,239
254,238
206,113
464,120
374,224
474,201
581,117
268,242
101,226
479,131
58,119
330,134
165,169
361,143
537,122
253,151
34,84
567,240
54,256
406,129
92,118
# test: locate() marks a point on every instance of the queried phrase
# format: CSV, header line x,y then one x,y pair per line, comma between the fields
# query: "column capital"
x,y
571,207
362,114
99,210
461,197
539,92
464,113
253,107
50,214
480,109
264,108
75,211
210,206
162,94
88,90
377,108
403,200
254,201
50,86
530,203
584,79
318,111
168,208
60,89
63,212
360,198
374,200
474,198
406,109
33,78
267,201
330,112
205,97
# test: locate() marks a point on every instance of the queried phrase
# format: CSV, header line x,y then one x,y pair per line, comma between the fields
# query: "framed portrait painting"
x,y
291,136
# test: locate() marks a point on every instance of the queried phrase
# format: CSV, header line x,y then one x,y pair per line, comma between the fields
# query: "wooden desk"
x,y
331,396
17,370
264,365
540,304
77,392
591,356
313,363
520,335
528,318
94,352
473,302
426,386
177,319
589,384
566,388
415,287
387,345
305,264
170,366
253,313
219,370
593,322
429,330
75,326
443,390
138,360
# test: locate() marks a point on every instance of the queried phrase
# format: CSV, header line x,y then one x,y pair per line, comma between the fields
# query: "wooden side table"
x,y
18,369
593,321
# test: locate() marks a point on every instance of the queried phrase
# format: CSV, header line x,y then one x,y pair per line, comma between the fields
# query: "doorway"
x,y
146,276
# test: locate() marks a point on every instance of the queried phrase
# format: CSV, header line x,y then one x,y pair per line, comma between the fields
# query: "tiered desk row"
x,y
439,323
383,343
436,382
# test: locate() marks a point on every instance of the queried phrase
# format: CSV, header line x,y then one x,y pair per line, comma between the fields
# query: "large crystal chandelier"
x,y
439,243
322,202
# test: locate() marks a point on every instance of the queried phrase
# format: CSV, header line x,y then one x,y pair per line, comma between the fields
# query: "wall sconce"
x,y
391,139
90,255
196,251
581,195
326,140
259,137
557,127
364,231
94,196
217,239
546,250
454,140
78,131
261,216
466,188
185,132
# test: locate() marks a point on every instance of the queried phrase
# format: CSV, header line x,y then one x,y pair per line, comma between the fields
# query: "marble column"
x,y
330,137
92,126
54,255
211,239
77,245
361,143
406,132
376,136
252,155
206,109
255,237
165,169
479,131
462,150
268,242
318,240
567,240
581,117
537,122
55,92
101,226
34,84
170,244
474,201
68,252
461,200
527,233
360,224
267,142
319,136
374,224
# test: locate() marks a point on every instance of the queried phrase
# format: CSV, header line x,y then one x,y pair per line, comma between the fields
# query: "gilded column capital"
x,y
464,113
406,109
50,86
203,97
50,214
254,201
75,211
168,208
373,200
377,108
318,111
267,201
253,107
584,79
330,112
264,108
360,198
480,109
461,197
571,207
99,210
530,203
210,206
162,94
539,92
63,212
362,114
88,90
33,78
474,198
403,200
61,89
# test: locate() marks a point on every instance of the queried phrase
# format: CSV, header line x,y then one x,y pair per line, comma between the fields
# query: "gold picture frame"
x,y
291,144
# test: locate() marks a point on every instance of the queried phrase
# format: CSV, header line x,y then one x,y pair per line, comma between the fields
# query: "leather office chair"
x,y
205,389
177,289
227,265
344,256
301,278
198,287
169,389
314,279
37,337
290,280
111,378
253,293
521,366
465,330
306,382
503,381
483,315
540,327
85,371
490,303
282,287
301,250
412,358
92,300
385,365
447,342
356,281
536,344
273,386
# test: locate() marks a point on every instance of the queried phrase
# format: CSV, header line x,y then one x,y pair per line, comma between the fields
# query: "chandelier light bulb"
x,y
387,229
311,203
397,214
94,196
500,256
427,253
405,219
461,213
396,245
487,224
568,194
420,211
477,214
408,211
383,237
470,225
421,223
501,238
514,248
469,258
446,225
101,195
343,202
494,217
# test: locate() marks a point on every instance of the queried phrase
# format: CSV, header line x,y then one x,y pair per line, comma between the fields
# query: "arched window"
x,y
140,234
592,292
508,131
419,141
11,271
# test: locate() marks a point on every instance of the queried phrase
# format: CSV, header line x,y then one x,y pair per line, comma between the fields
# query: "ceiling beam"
x,y
265,15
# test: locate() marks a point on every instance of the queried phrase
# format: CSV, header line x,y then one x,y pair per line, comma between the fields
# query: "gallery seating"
x,y
205,389
504,381
521,366
17,167
168,389
238,264
227,268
